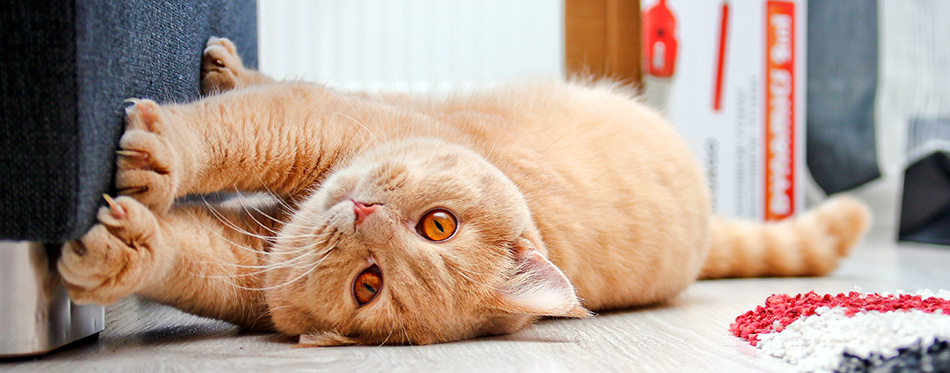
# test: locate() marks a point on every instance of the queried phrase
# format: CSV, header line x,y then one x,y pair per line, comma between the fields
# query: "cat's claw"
x,y
114,259
133,191
147,164
117,210
132,159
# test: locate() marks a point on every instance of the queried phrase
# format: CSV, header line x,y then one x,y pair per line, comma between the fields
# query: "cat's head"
x,y
415,242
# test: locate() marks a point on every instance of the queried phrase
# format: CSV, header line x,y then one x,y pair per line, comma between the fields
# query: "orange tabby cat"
x,y
413,221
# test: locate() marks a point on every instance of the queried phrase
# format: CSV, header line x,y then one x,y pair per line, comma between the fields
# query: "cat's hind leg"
x,y
222,68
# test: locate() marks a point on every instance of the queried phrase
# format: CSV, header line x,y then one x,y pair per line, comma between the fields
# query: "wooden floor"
x,y
689,334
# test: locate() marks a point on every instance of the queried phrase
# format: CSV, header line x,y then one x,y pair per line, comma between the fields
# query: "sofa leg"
x,y
36,315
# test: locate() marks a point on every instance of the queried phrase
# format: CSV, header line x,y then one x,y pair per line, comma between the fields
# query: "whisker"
x,y
469,278
281,222
251,215
288,263
453,264
276,220
257,273
280,200
491,150
308,248
214,232
260,268
271,239
230,224
405,333
268,311
297,261
391,330
295,279
359,124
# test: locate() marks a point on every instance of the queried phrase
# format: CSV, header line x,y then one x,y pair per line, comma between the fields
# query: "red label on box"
x,y
779,110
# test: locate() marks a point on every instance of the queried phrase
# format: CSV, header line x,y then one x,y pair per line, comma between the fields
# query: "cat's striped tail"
x,y
810,244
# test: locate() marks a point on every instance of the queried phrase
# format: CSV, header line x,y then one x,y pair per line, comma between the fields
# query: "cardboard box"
x,y
602,38
731,76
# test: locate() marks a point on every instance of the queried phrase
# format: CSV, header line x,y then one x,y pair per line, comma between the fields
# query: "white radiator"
x,y
410,45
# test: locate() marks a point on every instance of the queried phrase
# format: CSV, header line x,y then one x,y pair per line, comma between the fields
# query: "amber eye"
x,y
437,225
367,285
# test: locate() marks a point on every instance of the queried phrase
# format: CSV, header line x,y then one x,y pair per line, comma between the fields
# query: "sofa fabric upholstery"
x,y
65,69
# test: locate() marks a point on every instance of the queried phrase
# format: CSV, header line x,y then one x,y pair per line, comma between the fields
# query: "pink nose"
x,y
362,210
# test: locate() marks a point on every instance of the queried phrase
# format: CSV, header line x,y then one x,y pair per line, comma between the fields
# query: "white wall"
x,y
410,44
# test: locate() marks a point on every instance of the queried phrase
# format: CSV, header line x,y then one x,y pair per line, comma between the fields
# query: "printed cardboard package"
x,y
731,76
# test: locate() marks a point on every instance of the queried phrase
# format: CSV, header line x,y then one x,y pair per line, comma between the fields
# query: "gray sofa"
x,y
65,69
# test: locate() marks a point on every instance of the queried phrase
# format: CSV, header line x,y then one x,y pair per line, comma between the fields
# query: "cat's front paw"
x,y
148,166
221,67
117,257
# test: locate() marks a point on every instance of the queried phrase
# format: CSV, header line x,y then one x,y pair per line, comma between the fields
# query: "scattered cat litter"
x,y
853,332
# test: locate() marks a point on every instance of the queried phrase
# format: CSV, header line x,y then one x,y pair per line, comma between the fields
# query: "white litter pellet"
x,y
817,343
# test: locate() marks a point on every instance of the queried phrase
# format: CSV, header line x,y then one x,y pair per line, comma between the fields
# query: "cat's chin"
x,y
324,339
506,324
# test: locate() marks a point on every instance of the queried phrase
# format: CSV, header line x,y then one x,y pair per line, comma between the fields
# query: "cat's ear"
x,y
537,286
324,339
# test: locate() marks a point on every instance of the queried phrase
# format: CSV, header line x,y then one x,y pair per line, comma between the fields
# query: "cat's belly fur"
x,y
620,201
